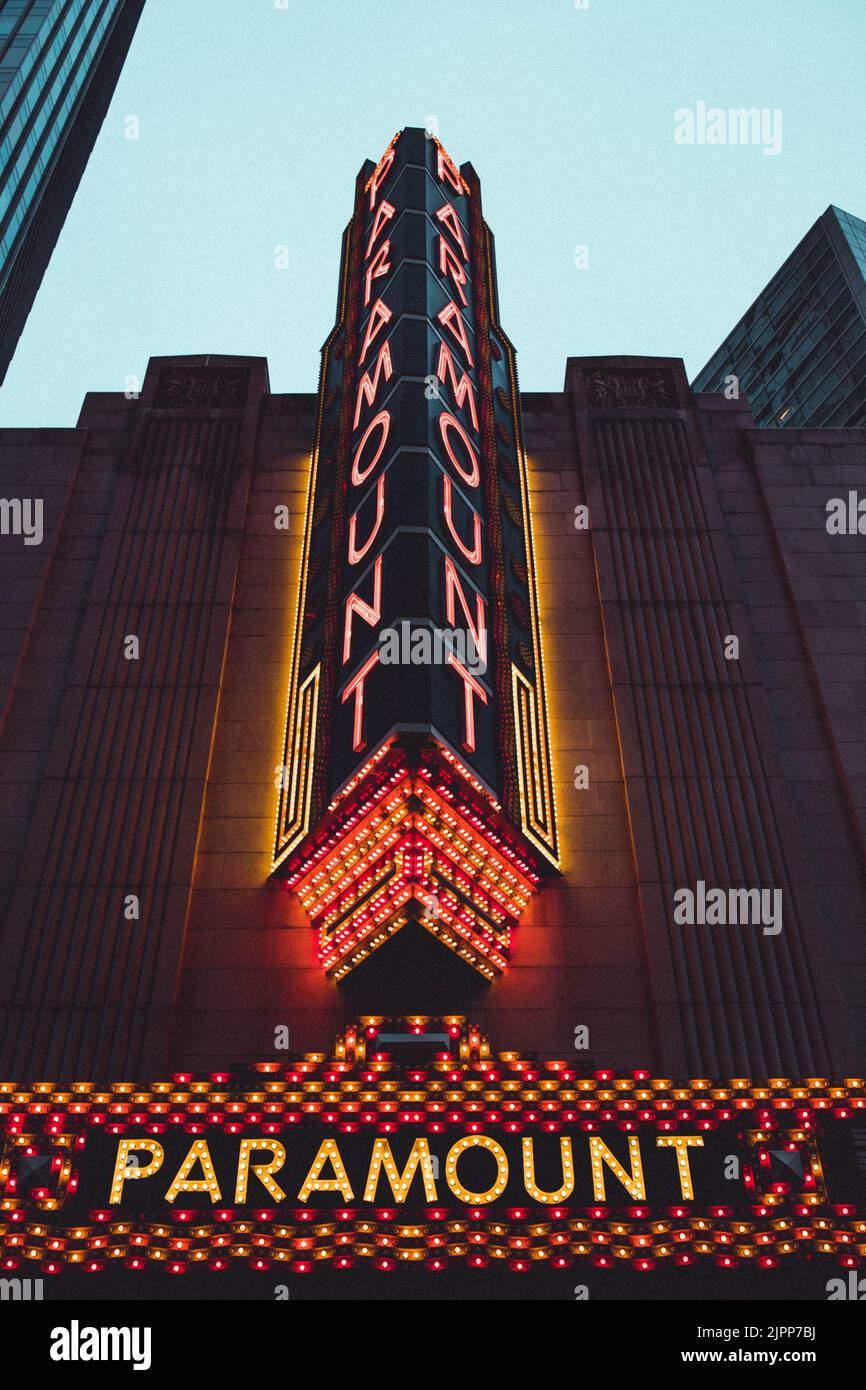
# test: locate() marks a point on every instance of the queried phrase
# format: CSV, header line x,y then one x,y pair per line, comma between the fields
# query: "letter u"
x,y
473,555
355,555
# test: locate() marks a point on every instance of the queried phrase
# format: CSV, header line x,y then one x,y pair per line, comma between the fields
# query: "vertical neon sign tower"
x,y
416,793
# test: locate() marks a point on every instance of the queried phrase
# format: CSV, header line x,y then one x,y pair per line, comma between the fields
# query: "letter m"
x,y
462,389
368,386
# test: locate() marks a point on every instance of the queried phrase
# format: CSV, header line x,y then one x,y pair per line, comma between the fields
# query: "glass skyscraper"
x,y
59,63
800,351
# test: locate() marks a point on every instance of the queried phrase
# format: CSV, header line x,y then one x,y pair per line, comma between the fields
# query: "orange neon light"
x,y
356,687
453,587
379,174
379,266
447,423
451,318
356,555
381,421
368,386
384,213
448,217
413,823
449,265
470,688
409,838
446,170
380,314
473,555
369,613
529,702
464,389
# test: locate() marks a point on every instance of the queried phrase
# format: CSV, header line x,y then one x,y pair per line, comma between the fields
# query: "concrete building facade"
x,y
141,927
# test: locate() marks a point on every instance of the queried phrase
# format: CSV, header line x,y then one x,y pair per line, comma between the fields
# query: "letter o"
x,y
476,1141
383,419
447,422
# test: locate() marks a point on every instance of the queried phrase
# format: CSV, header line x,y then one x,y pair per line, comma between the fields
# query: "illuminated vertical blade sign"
x,y
416,780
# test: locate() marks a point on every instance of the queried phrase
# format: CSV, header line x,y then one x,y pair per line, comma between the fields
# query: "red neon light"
x,y
446,169
368,387
450,317
410,825
473,555
384,213
402,837
448,422
377,268
356,685
464,389
448,217
379,173
370,614
379,314
449,265
383,419
470,688
355,555
453,587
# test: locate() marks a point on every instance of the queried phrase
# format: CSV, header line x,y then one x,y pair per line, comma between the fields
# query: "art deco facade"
x,y
269,905
157,777
147,919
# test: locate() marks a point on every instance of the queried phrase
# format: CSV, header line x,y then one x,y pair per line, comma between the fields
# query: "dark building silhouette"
x,y
799,352
59,64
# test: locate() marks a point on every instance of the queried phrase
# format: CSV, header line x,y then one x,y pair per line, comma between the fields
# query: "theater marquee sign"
x,y
449,1158
409,782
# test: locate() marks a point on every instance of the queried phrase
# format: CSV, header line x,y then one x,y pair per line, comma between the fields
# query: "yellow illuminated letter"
x,y
562,1193
682,1143
338,1183
600,1154
199,1153
476,1141
382,1157
124,1173
263,1171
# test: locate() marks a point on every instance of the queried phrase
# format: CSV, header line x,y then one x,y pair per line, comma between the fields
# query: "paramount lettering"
x,y
615,1166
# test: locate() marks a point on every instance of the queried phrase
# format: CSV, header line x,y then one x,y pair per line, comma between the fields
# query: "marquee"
x,y
412,1144
417,792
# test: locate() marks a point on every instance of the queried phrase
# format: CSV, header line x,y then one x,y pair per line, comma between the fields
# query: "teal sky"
x,y
255,116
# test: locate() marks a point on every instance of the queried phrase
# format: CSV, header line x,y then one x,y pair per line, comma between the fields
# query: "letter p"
x,y
124,1171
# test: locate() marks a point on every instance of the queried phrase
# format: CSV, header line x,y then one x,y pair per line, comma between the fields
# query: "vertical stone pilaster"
x,y
704,780
89,992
